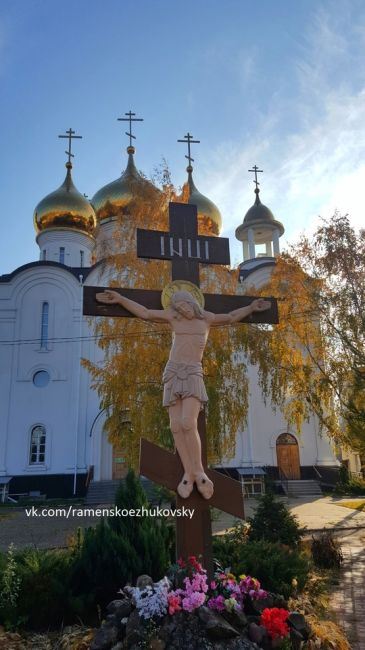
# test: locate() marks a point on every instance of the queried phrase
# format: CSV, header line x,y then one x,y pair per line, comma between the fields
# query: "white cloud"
x,y
320,166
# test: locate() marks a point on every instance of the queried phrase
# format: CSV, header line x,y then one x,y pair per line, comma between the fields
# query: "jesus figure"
x,y
184,391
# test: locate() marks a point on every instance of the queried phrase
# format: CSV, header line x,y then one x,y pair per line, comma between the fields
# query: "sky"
x,y
273,83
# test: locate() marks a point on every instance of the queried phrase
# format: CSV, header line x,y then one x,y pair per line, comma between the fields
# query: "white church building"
x,y
51,424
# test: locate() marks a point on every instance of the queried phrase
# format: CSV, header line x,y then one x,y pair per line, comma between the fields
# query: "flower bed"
x,y
185,609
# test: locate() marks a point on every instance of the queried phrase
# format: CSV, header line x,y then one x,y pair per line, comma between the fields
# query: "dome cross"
x,y
188,138
70,136
256,170
130,118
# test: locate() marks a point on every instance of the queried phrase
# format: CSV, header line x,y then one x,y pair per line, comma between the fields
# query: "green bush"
x,y
326,551
119,549
227,547
275,565
273,522
46,589
42,599
348,484
10,581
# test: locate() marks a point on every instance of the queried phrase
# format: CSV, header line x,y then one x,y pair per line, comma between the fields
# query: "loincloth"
x,y
183,380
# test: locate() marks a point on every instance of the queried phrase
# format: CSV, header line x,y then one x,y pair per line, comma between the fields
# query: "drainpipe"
x,y
77,387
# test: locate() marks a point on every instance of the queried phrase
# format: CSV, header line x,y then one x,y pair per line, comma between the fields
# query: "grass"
x,y
6,515
359,504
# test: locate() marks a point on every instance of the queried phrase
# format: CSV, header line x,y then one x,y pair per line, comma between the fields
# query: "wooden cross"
x,y
186,249
70,136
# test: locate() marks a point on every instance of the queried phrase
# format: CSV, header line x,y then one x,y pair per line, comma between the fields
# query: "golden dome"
x,y
209,217
65,208
113,198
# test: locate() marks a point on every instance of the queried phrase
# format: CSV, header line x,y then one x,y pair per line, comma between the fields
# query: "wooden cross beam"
x,y
186,249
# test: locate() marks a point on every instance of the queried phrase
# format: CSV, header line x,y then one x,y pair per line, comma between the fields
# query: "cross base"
x,y
193,536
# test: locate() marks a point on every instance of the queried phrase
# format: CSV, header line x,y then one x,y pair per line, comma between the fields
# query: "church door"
x,y
287,453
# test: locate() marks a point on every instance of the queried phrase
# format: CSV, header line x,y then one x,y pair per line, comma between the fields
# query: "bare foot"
x,y
204,485
185,487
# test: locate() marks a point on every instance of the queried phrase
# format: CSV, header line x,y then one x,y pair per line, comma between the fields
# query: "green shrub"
x,y
273,522
46,589
10,582
326,551
152,538
44,592
119,549
275,565
227,547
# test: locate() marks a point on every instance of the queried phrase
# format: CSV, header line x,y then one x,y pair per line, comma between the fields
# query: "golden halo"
x,y
181,285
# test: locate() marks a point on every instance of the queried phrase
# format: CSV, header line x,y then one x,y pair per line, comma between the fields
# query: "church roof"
x,y
75,271
65,208
113,198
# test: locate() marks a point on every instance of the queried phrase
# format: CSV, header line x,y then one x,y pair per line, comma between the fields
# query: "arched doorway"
x,y
287,452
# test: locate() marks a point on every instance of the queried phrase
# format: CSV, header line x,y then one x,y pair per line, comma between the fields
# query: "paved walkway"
x,y
348,600
315,513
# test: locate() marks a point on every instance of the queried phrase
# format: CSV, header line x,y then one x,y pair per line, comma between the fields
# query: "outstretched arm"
x,y
238,314
110,297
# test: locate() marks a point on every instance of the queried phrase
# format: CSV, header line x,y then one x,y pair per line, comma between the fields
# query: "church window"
x,y
44,325
62,255
81,259
286,439
41,378
37,445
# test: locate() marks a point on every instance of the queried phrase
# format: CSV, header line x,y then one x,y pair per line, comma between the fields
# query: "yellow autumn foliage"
x,y
129,381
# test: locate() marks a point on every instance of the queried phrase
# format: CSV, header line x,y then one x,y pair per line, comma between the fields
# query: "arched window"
x,y
37,445
62,255
44,325
286,439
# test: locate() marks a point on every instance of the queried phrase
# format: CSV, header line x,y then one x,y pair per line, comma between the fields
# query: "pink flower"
x,y
192,601
213,585
217,603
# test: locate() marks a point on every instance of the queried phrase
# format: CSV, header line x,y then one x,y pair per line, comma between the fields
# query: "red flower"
x,y
274,620
174,602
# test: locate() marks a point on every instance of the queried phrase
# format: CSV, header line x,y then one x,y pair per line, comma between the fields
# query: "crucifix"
x,y
130,118
70,136
186,250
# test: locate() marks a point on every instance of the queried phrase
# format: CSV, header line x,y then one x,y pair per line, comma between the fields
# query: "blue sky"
x,y
276,83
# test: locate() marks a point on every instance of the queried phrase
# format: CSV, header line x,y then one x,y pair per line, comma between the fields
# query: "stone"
x,y
218,628
256,633
118,646
106,636
144,581
298,623
120,608
134,633
236,617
